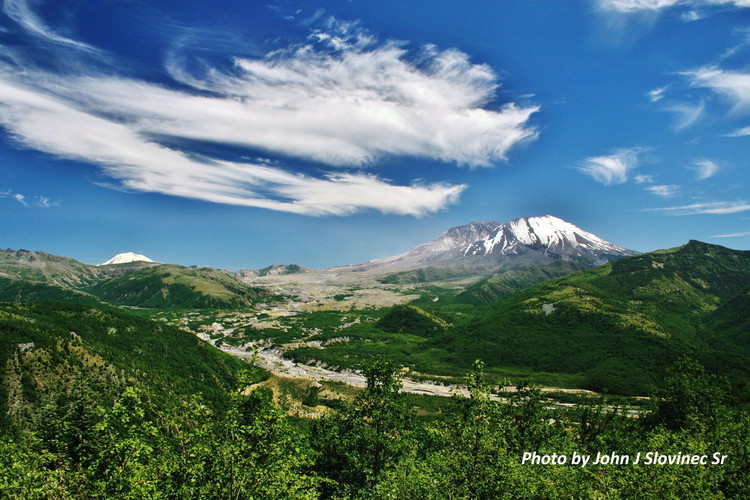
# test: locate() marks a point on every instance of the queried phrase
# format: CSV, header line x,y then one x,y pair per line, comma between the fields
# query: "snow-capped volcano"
x,y
486,247
124,258
546,235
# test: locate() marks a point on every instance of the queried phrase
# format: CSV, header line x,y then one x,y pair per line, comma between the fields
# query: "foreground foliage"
x,y
73,445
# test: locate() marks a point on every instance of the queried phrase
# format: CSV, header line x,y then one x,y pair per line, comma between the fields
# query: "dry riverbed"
x,y
272,360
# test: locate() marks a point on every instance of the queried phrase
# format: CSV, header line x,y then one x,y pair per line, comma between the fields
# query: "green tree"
x,y
689,399
129,445
363,439
258,454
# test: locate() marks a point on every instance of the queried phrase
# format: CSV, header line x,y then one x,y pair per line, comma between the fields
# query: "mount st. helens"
x,y
484,248
548,236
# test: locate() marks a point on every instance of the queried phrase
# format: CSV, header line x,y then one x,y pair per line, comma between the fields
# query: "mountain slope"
x,y
175,286
507,282
14,290
47,268
729,324
619,324
48,347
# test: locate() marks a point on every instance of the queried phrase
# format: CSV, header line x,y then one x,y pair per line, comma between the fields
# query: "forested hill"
x,y
49,347
171,286
621,324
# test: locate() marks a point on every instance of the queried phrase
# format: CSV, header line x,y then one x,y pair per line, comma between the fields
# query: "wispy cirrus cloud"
x,y
37,201
20,199
635,6
734,86
611,169
656,94
24,15
626,20
740,132
630,6
732,235
704,168
713,207
45,202
685,114
341,98
643,179
55,127
664,190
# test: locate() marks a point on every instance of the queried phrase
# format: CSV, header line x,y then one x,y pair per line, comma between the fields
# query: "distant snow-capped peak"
x,y
548,234
124,258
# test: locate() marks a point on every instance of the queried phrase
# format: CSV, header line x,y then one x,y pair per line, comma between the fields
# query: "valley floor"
x,y
273,361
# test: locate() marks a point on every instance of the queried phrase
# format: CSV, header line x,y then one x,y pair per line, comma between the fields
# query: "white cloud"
x,y
39,201
21,199
714,207
666,191
686,114
611,169
20,12
704,168
691,15
341,99
634,6
744,34
740,132
630,6
643,179
732,85
44,202
50,125
731,235
657,94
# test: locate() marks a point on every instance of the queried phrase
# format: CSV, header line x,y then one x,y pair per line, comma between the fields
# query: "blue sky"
x,y
241,134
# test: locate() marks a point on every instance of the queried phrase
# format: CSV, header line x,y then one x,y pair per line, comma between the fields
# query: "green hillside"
x,y
507,282
621,324
171,286
14,290
412,319
46,347
729,324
